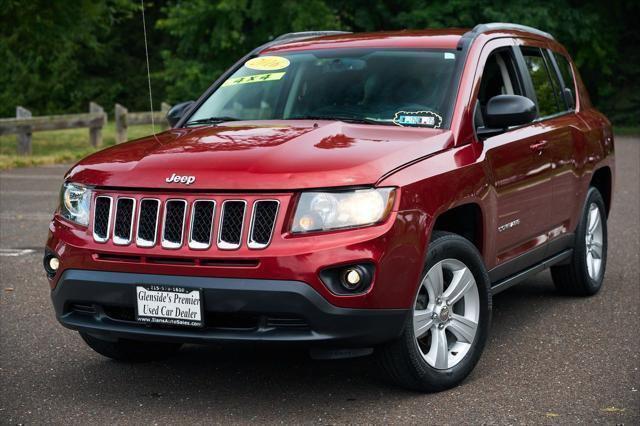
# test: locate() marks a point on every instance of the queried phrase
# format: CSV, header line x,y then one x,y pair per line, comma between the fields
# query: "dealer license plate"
x,y
169,305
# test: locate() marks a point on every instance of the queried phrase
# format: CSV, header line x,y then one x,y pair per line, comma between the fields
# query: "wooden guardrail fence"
x,y
25,124
124,119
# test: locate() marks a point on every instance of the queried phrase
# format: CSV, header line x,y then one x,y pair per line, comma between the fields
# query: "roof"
x,y
441,39
436,39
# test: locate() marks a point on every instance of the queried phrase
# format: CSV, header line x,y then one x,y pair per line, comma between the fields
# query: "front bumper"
x,y
235,309
396,248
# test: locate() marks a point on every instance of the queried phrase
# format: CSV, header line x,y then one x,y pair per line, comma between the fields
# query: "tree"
x,y
210,35
58,56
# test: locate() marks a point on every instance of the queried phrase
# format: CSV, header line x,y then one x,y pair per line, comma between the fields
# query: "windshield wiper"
x,y
358,120
212,120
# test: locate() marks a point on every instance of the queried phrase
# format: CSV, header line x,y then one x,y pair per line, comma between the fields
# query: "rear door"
x,y
565,153
555,135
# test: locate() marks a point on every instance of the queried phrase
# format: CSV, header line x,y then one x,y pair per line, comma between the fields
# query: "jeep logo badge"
x,y
188,180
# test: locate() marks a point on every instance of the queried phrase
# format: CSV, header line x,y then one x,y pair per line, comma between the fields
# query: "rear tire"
x,y
125,350
447,330
584,274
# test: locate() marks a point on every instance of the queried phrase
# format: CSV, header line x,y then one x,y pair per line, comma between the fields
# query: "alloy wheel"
x,y
593,241
446,314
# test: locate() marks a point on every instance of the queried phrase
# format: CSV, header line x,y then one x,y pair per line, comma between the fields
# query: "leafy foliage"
x,y
210,36
58,56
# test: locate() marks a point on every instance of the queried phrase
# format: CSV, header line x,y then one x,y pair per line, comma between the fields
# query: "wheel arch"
x,y
602,180
466,220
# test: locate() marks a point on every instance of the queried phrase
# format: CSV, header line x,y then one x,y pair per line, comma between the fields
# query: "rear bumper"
x,y
102,303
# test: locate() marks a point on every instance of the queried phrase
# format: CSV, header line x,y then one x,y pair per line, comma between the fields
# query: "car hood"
x,y
265,155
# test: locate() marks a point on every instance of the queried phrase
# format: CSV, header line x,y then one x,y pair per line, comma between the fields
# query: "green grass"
x,y
61,146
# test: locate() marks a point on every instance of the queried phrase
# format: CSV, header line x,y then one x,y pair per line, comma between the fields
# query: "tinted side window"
x,y
566,72
548,101
555,80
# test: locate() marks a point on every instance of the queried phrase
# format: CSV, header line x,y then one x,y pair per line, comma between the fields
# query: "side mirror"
x,y
504,111
178,111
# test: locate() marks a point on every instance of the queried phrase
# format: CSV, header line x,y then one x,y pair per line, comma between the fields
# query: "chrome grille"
x,y
231,224
262,222
102,219
123,227
147,222
201,227
165,220
174,214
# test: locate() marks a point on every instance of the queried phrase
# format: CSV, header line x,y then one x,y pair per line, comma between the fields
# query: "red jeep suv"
x,y
351,192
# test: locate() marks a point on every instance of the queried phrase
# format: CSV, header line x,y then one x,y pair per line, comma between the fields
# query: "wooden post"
x,y
95,132
24,132
164,108
121,123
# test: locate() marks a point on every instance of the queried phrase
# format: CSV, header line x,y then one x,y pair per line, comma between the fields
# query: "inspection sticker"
x,y
258,78
417,119
267,63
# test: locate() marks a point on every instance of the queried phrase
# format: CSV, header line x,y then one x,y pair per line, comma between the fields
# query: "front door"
x,y
519,164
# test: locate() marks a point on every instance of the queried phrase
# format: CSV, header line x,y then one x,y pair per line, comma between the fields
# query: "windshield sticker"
x,y
418,119
449,55
267,63
258,78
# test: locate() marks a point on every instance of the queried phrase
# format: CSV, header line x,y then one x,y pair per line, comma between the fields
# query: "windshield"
x,y
392,87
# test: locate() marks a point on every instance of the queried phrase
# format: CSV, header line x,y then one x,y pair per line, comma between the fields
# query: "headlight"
x,y
75,201
322,211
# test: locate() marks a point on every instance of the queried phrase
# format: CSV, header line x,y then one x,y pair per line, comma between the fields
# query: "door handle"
x,y
538,146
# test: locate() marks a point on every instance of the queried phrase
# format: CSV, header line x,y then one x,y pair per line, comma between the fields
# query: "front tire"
x,y
125,350
447,331
584,274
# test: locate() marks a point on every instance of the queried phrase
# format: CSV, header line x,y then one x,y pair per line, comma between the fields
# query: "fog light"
x,y
353,277
54,263
348,279
51,263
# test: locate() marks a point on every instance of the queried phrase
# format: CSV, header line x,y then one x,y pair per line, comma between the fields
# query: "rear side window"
x,y
555,80
566,73
548,100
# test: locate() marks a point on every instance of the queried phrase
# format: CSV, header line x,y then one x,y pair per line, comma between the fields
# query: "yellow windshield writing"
x,y
272,76
267,63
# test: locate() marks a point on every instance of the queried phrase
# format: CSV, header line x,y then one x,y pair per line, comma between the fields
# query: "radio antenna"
x,y
146,52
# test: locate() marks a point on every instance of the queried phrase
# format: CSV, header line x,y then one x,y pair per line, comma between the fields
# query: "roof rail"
x,y
483,28
299,36
469,36
308,34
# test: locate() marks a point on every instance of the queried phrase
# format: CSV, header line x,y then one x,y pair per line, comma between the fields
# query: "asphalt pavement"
x,y
550,359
